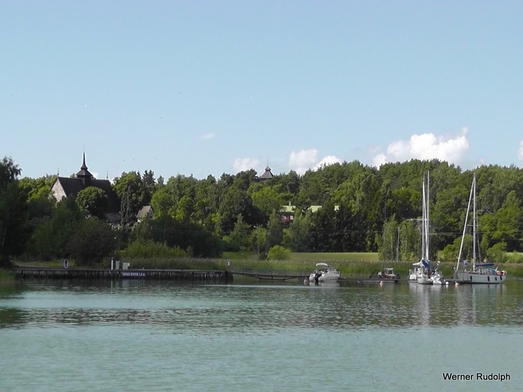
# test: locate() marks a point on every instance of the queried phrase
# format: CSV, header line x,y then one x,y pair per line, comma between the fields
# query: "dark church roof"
x,y
84,172
267,175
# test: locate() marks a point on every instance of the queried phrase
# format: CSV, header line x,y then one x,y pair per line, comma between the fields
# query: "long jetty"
x,y
92,273
271,275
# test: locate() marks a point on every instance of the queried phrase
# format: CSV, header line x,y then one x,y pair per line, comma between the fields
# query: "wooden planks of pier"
x,y
78,273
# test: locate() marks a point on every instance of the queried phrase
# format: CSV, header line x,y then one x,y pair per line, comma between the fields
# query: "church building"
x,y
67,186
267,175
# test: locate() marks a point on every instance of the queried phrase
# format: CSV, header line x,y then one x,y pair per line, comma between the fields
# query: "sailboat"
x,y
424,272
481,273
421,272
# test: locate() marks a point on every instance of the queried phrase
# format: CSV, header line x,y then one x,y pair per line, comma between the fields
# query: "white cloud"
x,y
520,151
243,164
379,160
426,146
328,160
303,160
207,136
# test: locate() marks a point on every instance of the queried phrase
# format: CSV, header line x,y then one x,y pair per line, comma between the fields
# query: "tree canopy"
x,y
342,207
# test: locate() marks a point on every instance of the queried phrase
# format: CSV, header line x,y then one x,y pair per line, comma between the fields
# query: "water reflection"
x,y
211,308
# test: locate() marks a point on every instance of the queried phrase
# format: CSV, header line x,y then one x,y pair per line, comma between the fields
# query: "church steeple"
x,y
84,174
267,175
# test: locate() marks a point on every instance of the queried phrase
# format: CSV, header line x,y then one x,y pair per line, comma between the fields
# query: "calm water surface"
x,y
164,336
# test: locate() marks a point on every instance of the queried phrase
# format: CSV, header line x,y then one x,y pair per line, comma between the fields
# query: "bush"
x,y
6,275
229,245
515,257
497,254
151,249
91,242
278,252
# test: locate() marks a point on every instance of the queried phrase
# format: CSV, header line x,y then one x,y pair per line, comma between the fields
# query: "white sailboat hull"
x,y
424,280
475,277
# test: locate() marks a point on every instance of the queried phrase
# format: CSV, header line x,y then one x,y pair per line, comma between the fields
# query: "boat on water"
x,y
388,275
415,272
324,273
480,273
437,277
421,272
424,278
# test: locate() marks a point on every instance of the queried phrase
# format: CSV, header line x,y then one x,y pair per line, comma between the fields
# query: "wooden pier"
x,y
372,280
91,273
272,275
301,276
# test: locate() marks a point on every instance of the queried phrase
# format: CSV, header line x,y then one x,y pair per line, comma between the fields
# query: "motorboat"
x,y
324,273
437,277
415,272
388,275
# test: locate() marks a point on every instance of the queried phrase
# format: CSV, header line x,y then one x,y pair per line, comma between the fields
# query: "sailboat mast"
x,y
423,220
427,223
474,223
471,196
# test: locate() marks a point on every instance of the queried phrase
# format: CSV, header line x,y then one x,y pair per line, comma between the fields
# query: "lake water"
x,y
165,336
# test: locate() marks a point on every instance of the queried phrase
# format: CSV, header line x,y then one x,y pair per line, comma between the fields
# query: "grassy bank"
x,y
326,257
349,264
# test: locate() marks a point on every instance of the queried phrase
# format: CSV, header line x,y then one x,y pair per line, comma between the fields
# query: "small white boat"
x,y
437,277
388,275
324,273
415,273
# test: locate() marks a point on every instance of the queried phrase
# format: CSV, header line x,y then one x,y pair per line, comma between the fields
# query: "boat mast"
x,y
427,222
472,192
474,223
425,241
423,219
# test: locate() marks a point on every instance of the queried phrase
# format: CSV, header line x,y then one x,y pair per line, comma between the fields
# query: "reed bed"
x,y
6,276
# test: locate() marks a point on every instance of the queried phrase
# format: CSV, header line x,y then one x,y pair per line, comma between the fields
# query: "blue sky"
x,y
212,87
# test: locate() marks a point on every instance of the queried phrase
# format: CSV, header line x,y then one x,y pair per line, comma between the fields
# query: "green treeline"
x,y
347,207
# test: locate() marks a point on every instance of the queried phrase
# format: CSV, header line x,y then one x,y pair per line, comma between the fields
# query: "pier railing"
x,y
270,275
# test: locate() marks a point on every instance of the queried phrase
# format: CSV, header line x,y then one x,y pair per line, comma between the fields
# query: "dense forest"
x,y
347,207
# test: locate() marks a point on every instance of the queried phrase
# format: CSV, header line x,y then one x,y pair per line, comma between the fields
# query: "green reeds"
x,y
6,276
176,263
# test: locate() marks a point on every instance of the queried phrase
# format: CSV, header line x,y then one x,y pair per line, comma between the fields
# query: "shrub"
x,y
515,257
278,252
497,253
151,249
